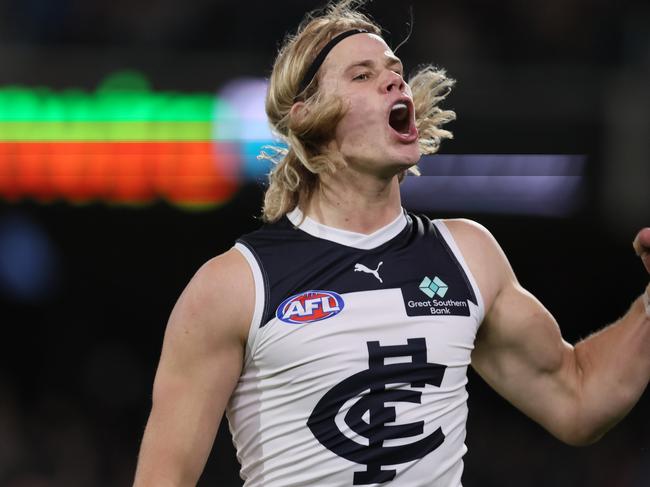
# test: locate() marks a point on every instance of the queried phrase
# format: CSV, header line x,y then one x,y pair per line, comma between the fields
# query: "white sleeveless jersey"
x,y
356,361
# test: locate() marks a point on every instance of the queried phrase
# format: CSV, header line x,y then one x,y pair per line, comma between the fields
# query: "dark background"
x,y
555,76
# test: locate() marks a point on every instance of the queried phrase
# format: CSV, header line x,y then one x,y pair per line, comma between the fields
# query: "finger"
x,y
641,243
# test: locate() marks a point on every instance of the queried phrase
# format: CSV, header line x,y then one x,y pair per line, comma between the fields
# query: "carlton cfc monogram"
x,y
418,373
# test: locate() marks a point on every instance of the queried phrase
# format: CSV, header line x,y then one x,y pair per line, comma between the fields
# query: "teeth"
x,y
399,113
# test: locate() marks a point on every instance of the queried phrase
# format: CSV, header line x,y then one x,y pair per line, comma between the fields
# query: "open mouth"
x,y
400,118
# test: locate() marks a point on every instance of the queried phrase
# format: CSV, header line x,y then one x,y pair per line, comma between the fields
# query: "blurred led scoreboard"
x,y
127,144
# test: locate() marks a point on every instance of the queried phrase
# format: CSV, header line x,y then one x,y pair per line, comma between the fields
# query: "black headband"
x,y
318,60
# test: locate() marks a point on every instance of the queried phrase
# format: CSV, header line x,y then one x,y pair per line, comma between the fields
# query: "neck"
x,y
360,203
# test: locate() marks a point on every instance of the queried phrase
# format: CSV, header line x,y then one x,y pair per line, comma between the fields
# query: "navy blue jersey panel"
x,y
418,261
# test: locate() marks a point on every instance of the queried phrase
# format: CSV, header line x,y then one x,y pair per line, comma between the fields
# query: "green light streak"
x,y
18,104
123,97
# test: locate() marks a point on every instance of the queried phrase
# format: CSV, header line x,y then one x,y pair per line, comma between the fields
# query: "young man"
x,y
338,336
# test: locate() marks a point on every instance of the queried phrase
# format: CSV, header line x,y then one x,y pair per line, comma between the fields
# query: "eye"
x,y
361,77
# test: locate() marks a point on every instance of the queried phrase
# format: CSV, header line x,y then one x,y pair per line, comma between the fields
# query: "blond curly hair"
x,y
294,176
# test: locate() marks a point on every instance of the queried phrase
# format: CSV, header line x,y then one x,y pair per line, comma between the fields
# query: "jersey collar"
x,y
345,237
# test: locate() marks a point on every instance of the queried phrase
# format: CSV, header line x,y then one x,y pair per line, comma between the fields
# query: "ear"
x,y
299,111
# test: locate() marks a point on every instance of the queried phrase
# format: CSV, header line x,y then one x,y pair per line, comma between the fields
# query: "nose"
x,y
393,81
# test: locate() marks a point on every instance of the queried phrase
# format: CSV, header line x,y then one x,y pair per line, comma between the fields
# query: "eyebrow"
x,y
369,63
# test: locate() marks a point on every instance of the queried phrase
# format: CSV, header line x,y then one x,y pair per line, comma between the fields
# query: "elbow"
x,y
581,429
580,438
589,424
577,426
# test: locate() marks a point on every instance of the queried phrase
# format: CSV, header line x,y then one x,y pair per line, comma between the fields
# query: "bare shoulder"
x,y
218,301
470,233
484,256
227,275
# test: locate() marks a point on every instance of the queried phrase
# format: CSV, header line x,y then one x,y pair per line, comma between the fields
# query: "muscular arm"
x,y
575,392
199,367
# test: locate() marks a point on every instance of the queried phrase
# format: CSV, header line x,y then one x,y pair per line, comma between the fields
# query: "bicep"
x,y
193,383
520,352
199,367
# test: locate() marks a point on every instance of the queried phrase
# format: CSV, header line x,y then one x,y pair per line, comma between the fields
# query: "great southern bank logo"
x,y
309,307
431,288
441,300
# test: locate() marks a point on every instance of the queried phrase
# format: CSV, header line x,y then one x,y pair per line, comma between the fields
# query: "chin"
x,y
408,158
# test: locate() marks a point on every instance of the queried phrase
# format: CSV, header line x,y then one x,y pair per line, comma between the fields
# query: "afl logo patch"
x,y
309,307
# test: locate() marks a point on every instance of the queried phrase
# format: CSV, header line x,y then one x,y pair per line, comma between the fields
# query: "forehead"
x,y
356,48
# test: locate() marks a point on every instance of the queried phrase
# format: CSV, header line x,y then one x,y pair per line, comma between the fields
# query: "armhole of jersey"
x,y
260,297
449,239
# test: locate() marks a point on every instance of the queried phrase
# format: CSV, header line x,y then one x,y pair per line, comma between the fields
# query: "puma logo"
x,y
363,268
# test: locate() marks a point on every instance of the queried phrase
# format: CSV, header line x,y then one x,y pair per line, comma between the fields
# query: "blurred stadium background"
x,y
128,135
